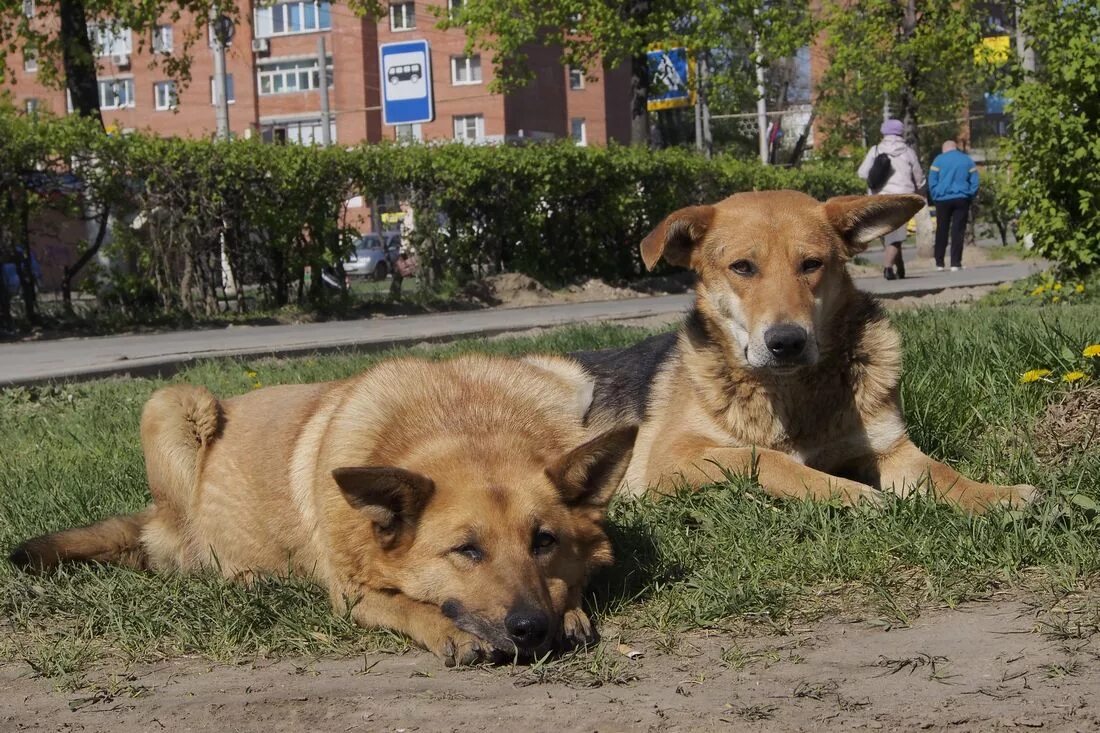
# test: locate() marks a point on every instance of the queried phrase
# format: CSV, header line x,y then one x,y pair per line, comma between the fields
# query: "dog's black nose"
x,y
786,341
527,627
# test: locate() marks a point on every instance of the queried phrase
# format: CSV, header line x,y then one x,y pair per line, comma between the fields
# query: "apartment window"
x,y
454,7
116,93
164,96
576,78
31,106
28,8
293,17
307,131
30,59
578,131
230,92
162,39
402,16
110,40
284,77
465,70
469,128
409,133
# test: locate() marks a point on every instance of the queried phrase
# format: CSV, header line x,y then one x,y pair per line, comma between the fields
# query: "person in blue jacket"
x,y
952,182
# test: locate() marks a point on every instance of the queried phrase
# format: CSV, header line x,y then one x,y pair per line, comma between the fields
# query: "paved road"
x,y
87,358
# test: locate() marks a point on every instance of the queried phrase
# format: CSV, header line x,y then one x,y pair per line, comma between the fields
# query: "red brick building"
x,y
274,81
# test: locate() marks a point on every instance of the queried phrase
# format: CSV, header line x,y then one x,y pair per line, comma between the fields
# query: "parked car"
x,y
374,256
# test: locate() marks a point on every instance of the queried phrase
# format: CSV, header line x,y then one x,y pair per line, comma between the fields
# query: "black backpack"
x,y
880,172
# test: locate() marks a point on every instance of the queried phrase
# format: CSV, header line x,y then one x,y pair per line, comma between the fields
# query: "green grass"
x,y
721,557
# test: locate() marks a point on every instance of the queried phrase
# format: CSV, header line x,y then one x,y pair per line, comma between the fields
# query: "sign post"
x,y
406,82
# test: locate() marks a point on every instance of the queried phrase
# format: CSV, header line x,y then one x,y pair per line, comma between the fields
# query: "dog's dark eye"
x,y
543,542
812,265
469,551
743,267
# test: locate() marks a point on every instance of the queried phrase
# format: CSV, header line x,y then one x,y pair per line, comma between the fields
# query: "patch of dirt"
x,y
1068,426
951,296
985,666
515,290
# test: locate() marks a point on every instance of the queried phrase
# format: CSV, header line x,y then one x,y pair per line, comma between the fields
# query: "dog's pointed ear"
x,y
588,475
676,236
861,219
390,497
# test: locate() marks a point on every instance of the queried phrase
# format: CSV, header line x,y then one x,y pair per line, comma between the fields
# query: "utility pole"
x,y
326,115
1024,49
702,110
222,29
761,103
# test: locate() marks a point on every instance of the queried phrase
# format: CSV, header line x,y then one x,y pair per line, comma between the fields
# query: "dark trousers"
x,y
951,216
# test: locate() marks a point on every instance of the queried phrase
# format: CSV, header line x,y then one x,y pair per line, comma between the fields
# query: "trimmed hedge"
x,y
556,212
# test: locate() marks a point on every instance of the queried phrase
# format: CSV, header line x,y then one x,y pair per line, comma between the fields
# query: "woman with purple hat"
x,y
903,175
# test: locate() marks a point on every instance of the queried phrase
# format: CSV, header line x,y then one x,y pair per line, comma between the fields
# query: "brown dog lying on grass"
x,y
458,502
783,368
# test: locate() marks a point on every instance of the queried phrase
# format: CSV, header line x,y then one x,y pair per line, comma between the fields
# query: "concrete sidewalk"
x,y
163,353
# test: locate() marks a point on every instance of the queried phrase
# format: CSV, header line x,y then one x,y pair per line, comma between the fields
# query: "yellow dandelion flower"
x,y
1078,288
257,385
1039,290
250,374
1033,375
1091,352
1073,376
1057,287
1056,299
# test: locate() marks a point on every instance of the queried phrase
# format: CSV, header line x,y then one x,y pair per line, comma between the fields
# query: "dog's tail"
x,y
176,425
114,540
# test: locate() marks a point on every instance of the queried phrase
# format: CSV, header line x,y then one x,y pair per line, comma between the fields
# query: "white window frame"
x,y
230,90
454,7
409,133
31,105
163,38
296,71
582,141
264,18
29,8
408,17
162,103
465,121
578,75
111,40
127,83
30,59
466,63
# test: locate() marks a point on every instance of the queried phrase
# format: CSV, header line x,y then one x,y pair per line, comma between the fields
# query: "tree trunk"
x,y
70,272
25,265
639,97
79,60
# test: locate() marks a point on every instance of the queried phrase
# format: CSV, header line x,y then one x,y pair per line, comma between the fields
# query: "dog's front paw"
x,y
1019,495
576,629
459,648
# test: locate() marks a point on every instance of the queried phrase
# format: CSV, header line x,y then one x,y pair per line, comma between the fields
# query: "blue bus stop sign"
x,y
406,82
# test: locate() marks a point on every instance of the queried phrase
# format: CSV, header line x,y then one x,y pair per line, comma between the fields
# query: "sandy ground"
x,y
986,666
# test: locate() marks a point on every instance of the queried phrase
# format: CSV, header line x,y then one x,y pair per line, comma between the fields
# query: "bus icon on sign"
x,y
406,72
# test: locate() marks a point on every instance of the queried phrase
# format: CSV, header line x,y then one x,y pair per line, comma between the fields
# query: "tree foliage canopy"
x,y
1055,144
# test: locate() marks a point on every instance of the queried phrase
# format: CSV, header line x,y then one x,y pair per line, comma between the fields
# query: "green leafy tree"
x,y
57,32
1055,145
591,33
916,54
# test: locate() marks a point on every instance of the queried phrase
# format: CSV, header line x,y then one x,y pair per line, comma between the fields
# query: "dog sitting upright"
x,y
782,368
458,502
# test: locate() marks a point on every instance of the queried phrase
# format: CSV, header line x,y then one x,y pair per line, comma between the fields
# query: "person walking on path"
x,y
952,183
892,167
